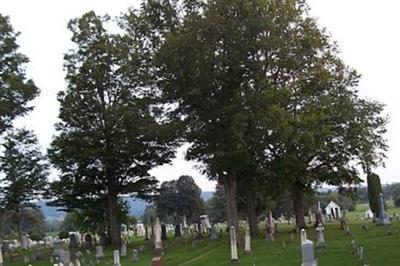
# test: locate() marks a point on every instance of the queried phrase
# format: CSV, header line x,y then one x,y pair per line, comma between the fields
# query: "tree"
x,y
29,220
15,89
216,206
23,174
109,134
374,191
257,83
178,198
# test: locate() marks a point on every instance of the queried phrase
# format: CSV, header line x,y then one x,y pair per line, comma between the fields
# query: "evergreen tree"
x,y
23,175
15,89
374,191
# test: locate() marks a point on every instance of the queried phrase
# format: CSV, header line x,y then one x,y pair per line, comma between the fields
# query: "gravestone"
x,y
247,242
58,246
65,257
24,241
307,250
116,258
157,238
177,230
213,233
383,219
1,257
26,259
73,242
163,232
77,262
37,255
99,252
135,255
320,236
123,249
233,244
88,241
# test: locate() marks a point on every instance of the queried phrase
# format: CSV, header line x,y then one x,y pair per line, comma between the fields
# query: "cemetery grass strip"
x,y
197,258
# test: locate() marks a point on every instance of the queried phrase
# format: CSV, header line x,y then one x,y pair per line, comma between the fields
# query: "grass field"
x,y
381,248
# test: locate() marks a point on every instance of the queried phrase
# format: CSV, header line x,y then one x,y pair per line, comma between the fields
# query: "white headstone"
x,y
233,243
303,235
247,242
77,262
320,236
307,253
116,258
135,255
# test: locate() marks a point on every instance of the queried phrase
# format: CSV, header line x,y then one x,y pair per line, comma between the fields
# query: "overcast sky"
x,y
366,31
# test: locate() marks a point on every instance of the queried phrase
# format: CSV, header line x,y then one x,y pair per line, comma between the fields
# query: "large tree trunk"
x,y
230,184
251,210
115,227
298,205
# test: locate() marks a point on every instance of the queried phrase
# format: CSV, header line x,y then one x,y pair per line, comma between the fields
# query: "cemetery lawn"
x,y
381,248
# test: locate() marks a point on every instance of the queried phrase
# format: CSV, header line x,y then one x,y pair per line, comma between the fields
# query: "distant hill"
x,y
136,207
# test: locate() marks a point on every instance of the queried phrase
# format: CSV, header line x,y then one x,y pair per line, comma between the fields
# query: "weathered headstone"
x,y
383,219
24,241
26,259
177,230
135,255
65,257
247,242
361,253
77,262
307,250
58,246
233,244
320,236
123,249
88,241
157,239
213,233
99,252
73,242
116,258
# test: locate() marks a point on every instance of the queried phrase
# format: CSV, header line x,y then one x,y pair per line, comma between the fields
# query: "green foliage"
x,y
23,175
374,190
178,198
109,136
216,206
29,219
15,89
23,170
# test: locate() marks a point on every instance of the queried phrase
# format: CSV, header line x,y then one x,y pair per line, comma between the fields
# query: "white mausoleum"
x,y
334,210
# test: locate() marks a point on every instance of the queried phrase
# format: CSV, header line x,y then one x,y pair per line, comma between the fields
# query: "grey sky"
x,y
366,31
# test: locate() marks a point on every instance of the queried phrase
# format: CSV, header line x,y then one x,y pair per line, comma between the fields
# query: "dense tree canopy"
x,y
178,198
108,137
15,89
259,85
